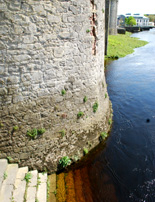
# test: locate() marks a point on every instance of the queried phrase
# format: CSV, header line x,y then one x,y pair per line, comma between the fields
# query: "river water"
x,y
123,170
130,151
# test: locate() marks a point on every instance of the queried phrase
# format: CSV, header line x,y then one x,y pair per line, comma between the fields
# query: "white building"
x,y
141,20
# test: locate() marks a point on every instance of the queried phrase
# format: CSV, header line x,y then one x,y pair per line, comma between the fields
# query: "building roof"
x,y
135,15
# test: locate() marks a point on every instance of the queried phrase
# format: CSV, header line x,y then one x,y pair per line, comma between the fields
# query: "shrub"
x,y
41,131
85,99
63,92
64,162
85,151
110,121
15,128
27,177
88,30
95,107
62,132
80,114
34,132
104,135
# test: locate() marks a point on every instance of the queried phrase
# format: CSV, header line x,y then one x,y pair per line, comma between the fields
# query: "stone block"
x,y
58,52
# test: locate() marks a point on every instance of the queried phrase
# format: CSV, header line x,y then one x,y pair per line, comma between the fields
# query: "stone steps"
x,y
21,185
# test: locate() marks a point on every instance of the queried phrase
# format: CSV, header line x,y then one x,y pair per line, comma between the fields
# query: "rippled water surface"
x,y
130,151
124,169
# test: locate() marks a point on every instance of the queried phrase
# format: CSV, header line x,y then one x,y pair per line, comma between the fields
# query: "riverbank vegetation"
x,y
121,45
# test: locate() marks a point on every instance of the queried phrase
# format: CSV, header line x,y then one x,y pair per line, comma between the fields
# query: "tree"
x,y
130,21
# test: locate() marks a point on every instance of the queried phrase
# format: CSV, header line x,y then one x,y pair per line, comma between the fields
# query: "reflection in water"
x,y
125,170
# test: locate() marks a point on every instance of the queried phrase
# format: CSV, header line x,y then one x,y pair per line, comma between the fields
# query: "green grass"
x,y
122,44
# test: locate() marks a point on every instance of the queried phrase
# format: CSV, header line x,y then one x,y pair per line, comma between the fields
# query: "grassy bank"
x,y
121,45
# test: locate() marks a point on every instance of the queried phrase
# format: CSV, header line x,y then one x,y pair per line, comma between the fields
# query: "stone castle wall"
x,y
47,46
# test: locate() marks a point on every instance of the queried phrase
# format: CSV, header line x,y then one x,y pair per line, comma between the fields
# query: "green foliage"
x,y
95,107
103,10
88,30
106,95
38,182
130,21
5,175
104,135
9,158
1,125
110,121
34,132
63,92
151,17
122,44
62,132
85,151
55,192
80,114
27,177
15,128
85,99
48,189
64,162
41,131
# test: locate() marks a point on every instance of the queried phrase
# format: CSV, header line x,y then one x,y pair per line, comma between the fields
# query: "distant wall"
x,y
46,47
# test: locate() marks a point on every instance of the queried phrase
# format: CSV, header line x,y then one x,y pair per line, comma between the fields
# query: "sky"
x,y
136,6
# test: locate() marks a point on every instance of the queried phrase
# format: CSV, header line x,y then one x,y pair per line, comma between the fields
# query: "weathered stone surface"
x,y
49,62
3,166
20,185
31,190
42,188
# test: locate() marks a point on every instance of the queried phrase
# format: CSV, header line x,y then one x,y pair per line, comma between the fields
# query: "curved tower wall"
x,y
51,57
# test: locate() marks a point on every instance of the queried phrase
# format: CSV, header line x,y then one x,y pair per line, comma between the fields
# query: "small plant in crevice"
x,y
62,132
110,121
38,182
55,192
64,162
12,199
102,84
48,189
104,135
95,107
85,99
103,10
106,95
15,128
1,125
41,131
88,30
80,114
34,133
5,175
27,177
63,92
85,151
9,158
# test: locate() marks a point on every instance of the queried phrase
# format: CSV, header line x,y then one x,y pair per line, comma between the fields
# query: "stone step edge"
x,y
23,178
